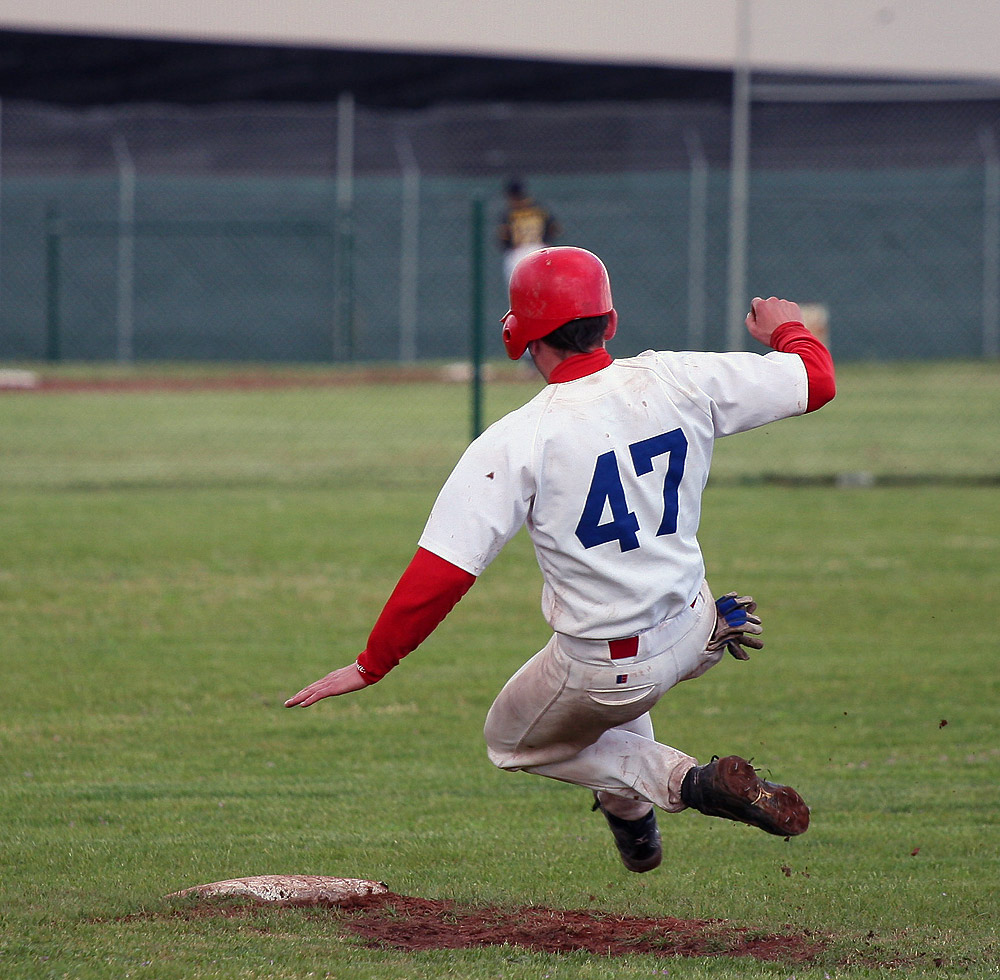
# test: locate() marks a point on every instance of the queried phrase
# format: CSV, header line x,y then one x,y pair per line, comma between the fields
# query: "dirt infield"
x,y
417,923
409,923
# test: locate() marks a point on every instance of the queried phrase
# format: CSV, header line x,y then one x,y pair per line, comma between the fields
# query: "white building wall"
x,y
901,38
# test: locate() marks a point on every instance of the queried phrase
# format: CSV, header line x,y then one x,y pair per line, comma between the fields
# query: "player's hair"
x,y
582,335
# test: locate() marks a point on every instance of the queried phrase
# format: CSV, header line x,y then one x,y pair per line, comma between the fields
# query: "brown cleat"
x,y
731,788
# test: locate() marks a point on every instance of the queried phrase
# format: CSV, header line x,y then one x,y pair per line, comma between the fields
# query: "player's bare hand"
x,y
344,680
766,315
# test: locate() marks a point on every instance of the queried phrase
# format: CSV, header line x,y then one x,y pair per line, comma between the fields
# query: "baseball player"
x,y
525,226
606,465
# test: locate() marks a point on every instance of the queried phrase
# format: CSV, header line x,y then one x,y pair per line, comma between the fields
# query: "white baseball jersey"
x,y
607,471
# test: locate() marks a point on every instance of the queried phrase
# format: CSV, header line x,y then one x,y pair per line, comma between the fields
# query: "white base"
x,y
287,889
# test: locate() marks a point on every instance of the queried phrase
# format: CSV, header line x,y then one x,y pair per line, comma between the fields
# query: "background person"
x,y
524,227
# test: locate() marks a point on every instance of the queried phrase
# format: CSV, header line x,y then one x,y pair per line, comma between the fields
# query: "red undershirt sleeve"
x,y
794,338
426,592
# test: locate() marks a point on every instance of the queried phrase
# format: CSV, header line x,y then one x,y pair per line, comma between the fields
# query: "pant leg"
x,y
568,715
621,806
627,766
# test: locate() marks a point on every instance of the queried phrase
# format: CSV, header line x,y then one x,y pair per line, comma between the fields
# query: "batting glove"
x,y
736,626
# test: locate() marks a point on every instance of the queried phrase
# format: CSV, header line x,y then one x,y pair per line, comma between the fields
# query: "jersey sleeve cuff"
x,y
368,673
794,337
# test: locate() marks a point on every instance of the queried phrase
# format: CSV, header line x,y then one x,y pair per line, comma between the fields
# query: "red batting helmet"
x,y
550,287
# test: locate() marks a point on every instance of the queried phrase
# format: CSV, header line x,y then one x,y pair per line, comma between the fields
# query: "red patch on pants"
x,y
620,649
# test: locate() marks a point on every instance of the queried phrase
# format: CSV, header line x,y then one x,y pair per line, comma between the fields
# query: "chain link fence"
x,y
336,233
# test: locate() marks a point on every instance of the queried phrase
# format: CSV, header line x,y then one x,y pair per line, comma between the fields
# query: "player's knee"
x,y
502,759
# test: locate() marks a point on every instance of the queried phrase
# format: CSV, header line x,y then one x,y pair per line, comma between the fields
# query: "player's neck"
x,y
579,366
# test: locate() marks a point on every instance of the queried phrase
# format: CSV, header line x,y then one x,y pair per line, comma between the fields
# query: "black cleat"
x,y
731,788
638,841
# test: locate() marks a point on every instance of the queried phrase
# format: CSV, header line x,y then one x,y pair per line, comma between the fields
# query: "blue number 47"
x,y
607,491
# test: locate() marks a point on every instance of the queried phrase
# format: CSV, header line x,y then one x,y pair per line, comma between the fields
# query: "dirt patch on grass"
x,y
410,923
418,923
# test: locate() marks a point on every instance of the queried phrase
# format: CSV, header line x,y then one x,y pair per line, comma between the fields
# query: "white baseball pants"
x,y
575,714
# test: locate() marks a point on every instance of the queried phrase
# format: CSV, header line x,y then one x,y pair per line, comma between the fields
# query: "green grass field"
x,y
173,566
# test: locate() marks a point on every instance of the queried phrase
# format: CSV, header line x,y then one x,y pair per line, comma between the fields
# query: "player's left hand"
x,y
766,315
344,680
736,626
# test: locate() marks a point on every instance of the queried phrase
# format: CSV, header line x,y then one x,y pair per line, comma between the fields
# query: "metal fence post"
x,y
697,236
344,340
739,177
409,248
476,325
52,273
2,189
991,243
126,250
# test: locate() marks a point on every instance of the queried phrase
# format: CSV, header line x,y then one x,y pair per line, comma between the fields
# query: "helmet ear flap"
x,y
509,333
612,328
